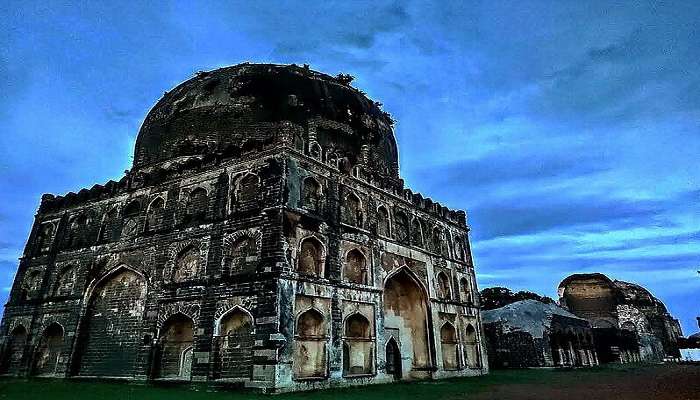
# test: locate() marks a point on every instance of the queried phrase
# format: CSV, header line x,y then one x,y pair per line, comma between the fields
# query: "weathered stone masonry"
x,y
263,237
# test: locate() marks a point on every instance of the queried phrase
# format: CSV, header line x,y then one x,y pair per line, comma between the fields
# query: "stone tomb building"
x,y
530,333
262,238
629,323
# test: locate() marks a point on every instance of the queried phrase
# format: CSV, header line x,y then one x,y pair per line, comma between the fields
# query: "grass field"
x,y
678,382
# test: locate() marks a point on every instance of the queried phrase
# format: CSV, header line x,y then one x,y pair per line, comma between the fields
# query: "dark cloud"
x,y
530,215
505,168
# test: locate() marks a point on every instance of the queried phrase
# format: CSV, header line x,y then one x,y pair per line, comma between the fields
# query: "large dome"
x,y
246,104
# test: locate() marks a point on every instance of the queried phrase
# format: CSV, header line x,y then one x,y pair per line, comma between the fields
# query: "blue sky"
x,y
569,131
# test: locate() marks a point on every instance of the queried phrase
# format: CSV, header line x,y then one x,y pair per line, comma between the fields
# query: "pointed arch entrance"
x,y
49,350
234,340
393,359
406,310
14,351
110,334
175,342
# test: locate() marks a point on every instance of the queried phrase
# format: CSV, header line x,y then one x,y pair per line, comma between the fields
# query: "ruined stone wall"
x,y
113,271
395,285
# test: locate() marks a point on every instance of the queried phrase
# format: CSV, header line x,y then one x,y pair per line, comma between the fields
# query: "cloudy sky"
x,y
569,131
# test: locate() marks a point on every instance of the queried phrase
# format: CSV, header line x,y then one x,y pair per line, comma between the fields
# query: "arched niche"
x,y
233,343
471,347
155,214
351,211
465,295
449,346
358,346
310,345
417,233
186,265
110,331
355,268
383,223
14,350
444,290
248,189
311,194
311,257
196,206
49,350
175,346
406,310
401,230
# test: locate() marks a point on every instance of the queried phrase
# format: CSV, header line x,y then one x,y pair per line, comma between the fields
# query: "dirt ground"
x,y
628,382
670,382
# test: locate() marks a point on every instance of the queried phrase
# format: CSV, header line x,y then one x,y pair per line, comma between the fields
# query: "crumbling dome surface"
x,y
251,104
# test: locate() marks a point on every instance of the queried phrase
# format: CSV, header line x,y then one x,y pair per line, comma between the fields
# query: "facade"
x,y
263,238
530,333
630,324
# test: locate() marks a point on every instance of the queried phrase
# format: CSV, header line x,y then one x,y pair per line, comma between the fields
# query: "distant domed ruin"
x,y
263,238
629,323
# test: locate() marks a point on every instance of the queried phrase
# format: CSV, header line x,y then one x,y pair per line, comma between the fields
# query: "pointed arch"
x,y
310,345
383,222
220,323
311,194
175,345
406,310
351,211
233,344
44,238
444,288
248,189
155,213
65,281
465,291
14,350
109,335
401,228
76,232
178,248
471,347
130,217
449,345
355,268
311,257
197,205
186,265
241,251
110,227
32,282
393,358
49,350
417,232
358,345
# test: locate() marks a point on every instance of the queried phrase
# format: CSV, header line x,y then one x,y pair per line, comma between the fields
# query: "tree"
x,y
497,297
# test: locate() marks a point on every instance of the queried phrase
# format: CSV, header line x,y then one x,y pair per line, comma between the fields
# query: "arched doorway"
x,y
234,341
448,340
393,359
358,346
406,310
49,351
110,335
310,347
176,338
14,352
471,348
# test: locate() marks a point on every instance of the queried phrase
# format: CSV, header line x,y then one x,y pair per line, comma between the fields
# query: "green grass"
x,y
459,388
